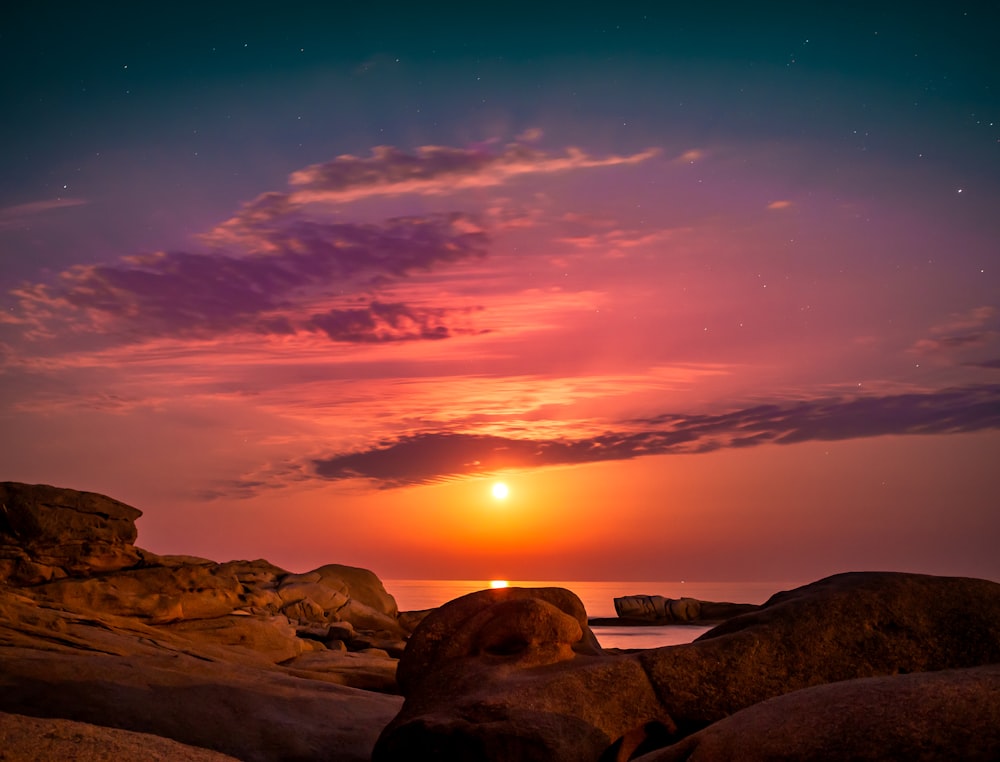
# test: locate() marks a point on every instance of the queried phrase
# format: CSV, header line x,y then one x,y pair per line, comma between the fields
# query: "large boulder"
x,y
339,593
511,674
946,715
49,533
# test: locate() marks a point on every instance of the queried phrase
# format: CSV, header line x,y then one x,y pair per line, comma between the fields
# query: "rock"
x,y
369,670
340,631
339,593
256,715
946,715
159,594
96,630
48,533
513,675
409,620
273,639
183,684
658,610
525,624
31,739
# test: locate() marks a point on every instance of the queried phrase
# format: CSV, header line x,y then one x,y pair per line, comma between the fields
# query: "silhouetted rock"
x,y
511,675
49,533
946,715
647,610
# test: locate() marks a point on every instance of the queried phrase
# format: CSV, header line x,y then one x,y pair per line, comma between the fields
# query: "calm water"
x,y
598,598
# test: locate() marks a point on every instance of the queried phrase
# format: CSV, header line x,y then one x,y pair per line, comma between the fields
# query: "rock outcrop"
x,y
49,533
243,657
946,715
659,610
510,674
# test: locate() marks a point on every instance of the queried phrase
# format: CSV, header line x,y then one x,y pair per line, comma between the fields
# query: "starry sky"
x,y
715,292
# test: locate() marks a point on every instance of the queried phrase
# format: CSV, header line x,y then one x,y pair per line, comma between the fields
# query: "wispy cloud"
x,y
16,216
975,328
296,264
438,169
438,455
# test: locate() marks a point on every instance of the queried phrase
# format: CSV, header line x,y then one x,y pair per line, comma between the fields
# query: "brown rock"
x,y
31,739
369,670
339,593
946,715
409,620
659,610
179,646
48,533
270,638
184,685
509,675
159,594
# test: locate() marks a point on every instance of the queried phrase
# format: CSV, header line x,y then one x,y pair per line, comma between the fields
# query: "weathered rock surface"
x,y
30,739
510,674
49,533
243,657
640,610
946,715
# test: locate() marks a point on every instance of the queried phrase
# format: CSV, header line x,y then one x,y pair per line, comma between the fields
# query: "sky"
x,y
714,291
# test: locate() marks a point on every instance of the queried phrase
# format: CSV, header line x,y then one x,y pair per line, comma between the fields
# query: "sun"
x,y
500,491
498,583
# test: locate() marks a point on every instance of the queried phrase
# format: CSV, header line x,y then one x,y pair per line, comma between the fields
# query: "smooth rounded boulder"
x,y
930,716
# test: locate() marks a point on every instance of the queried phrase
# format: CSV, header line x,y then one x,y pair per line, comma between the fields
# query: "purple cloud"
x,y
294,261
435,456
381,322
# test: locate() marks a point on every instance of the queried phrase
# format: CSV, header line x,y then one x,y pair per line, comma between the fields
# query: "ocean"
x,y
598,598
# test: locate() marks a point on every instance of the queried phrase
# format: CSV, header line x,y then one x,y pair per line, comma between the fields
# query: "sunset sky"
x,y
715,293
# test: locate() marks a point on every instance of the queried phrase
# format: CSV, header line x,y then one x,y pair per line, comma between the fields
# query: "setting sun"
x,y
495,583
500,491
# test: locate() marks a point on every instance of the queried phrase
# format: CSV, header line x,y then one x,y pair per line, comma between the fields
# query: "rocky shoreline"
x,y
104,646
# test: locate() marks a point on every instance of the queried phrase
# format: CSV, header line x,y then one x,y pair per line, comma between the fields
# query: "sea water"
x,y
598,599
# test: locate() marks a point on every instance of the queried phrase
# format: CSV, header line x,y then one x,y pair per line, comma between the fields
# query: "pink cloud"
x,y
14,216
295,263
437,170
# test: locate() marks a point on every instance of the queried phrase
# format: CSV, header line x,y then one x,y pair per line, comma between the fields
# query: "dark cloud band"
x,y
434,456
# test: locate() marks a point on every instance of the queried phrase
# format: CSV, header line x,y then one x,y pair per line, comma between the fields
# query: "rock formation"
x,y
946,715
249,660
242,657
513,673
30,739
659,610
